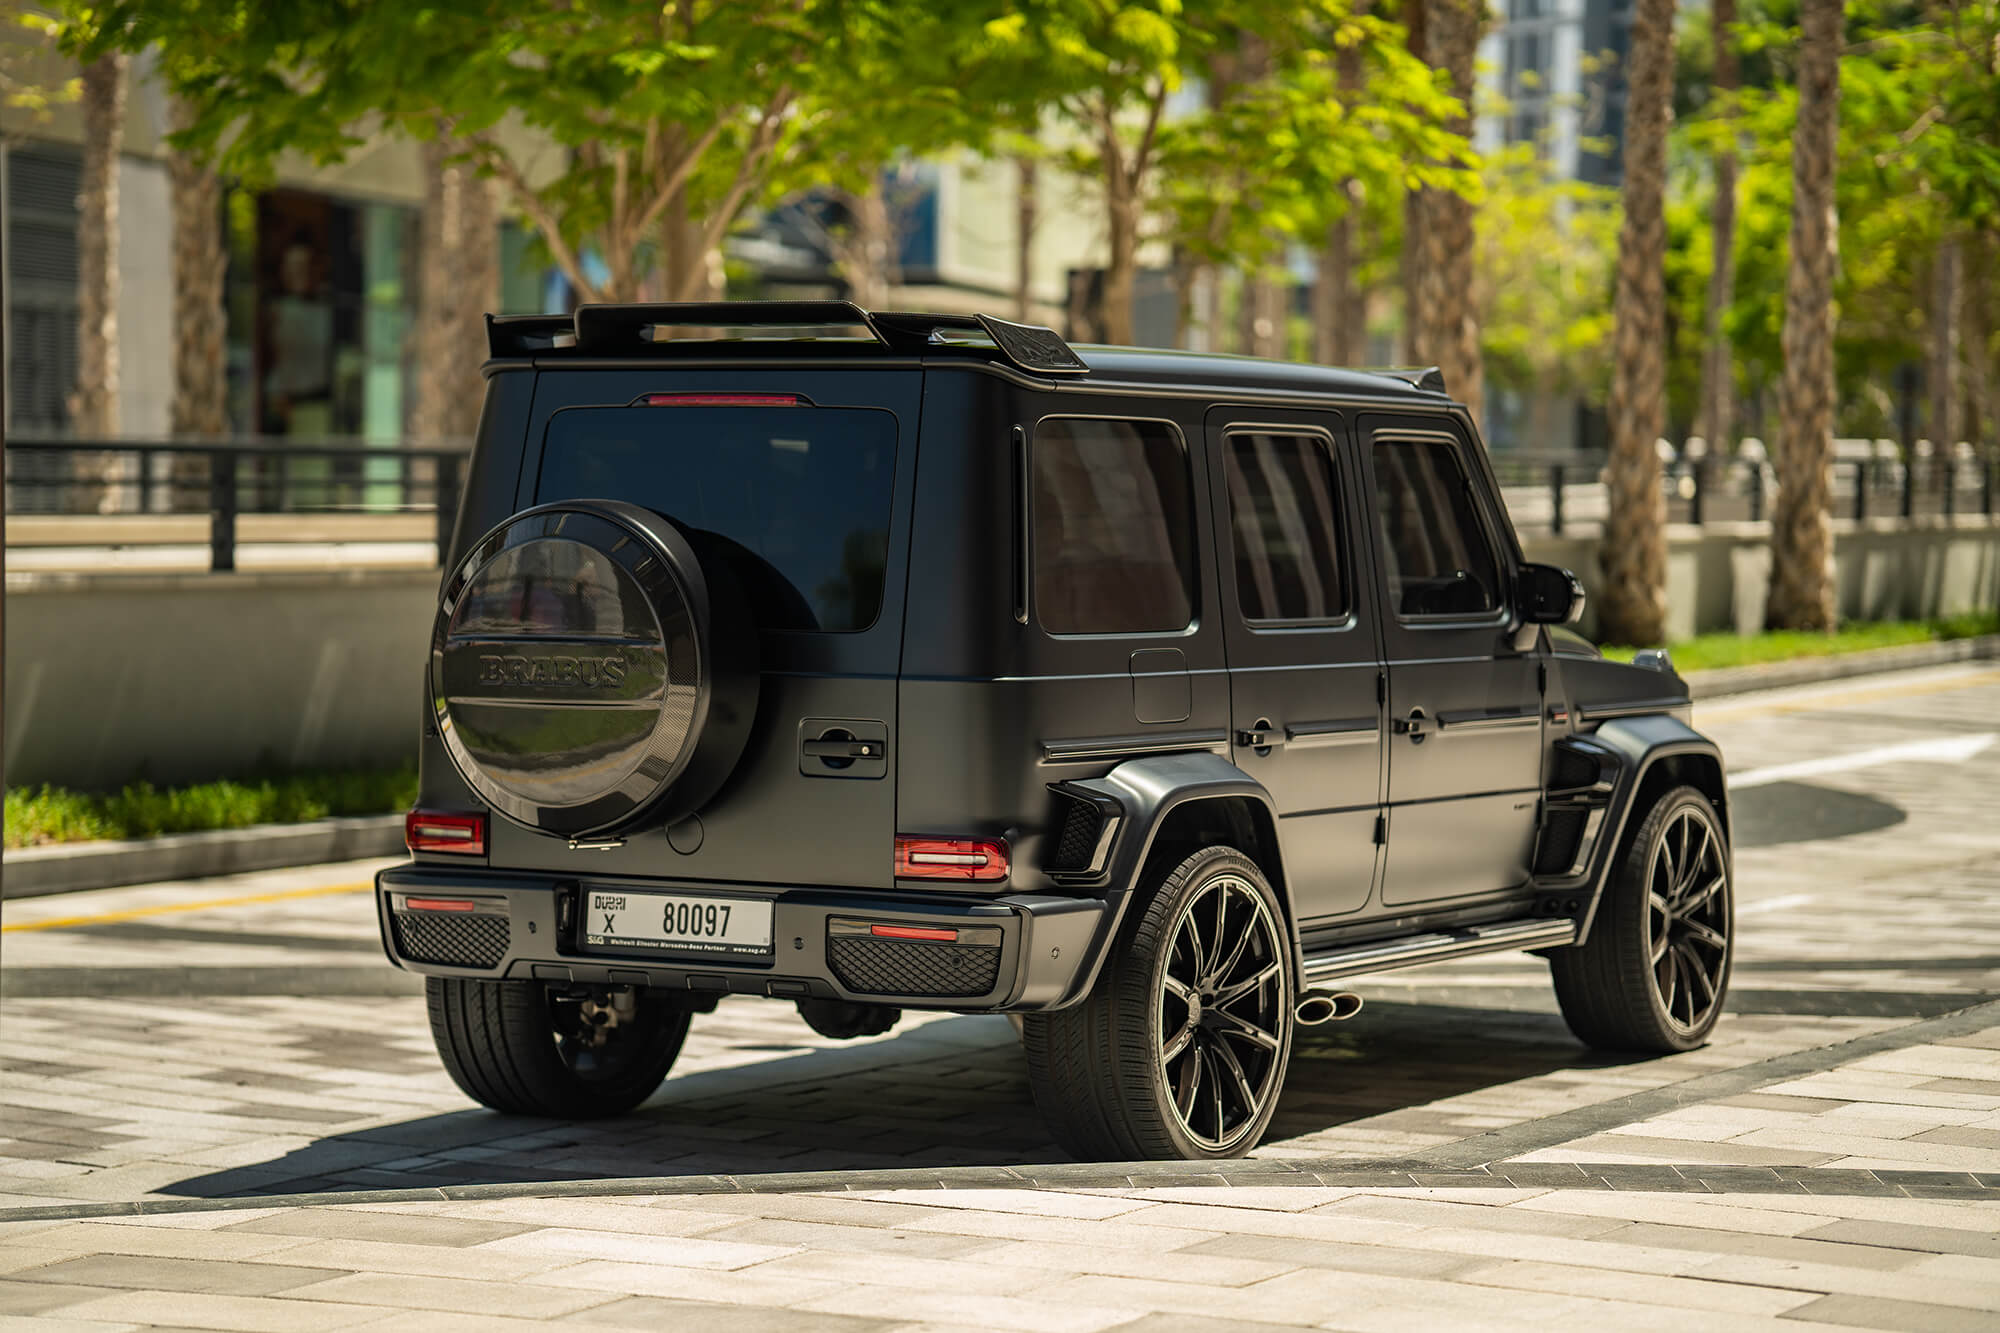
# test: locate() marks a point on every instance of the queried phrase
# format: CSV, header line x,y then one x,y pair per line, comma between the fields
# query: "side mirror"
x,y
1549,596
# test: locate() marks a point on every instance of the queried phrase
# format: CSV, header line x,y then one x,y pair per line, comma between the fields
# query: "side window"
x,y
1283,514
1434,551
1114,528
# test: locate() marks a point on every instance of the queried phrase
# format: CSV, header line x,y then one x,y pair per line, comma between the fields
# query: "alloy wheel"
x,y
1688,918
1223,1013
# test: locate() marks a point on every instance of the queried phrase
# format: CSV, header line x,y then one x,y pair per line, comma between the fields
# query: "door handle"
x,y
1260,736
1416,726
847,748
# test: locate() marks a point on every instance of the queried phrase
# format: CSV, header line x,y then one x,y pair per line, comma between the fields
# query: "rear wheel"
x,y
532,1049
1654,972
1180,1049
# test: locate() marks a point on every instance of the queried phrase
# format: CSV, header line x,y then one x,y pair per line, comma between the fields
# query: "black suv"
x,y
876,661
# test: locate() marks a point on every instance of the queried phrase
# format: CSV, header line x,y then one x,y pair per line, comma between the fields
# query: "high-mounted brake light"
x,y
951,858
720,400
445,831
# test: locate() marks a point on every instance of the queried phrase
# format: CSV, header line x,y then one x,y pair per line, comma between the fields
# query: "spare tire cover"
x,y
587,672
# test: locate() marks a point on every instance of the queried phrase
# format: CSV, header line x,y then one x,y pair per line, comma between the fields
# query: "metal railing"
x,y
1558,493
229,479
1552,493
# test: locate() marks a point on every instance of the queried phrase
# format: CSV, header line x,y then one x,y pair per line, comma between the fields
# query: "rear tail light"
x,y
951,858
440,905
719,400
445,831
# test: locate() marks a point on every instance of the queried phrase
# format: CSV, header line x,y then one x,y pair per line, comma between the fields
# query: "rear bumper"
x,y
520,932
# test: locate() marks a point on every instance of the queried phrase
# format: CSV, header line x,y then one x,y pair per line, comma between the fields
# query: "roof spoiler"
x,y
628,330
1428,378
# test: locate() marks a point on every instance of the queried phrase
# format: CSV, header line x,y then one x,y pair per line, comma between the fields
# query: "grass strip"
x,y
1707,652
45,814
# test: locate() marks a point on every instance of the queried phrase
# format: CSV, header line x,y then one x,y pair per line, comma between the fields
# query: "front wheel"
x,y
1180,1049
528,1048
1653,974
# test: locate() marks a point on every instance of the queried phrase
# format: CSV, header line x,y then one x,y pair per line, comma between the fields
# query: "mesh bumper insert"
x,y
870,965
452,939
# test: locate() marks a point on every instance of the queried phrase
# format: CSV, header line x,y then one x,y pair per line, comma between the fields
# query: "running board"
x,y
1385,955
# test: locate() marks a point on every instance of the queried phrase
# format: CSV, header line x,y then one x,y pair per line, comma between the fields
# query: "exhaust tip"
x,y
1326,1007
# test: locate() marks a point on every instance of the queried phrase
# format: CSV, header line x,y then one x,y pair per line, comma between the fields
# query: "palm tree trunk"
x,y
1336,315
200,263
1335,300
866,255
1024,240
1941,375
1447,323
94,402
1121,269
1260,320
1633,551
1410,262
1801,530
1716,415
460,283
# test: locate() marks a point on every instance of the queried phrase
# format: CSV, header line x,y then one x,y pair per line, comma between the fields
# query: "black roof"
x,y
803,327
1143,365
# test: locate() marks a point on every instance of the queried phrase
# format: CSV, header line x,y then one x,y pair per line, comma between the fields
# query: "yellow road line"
x,y
1841,698
102,918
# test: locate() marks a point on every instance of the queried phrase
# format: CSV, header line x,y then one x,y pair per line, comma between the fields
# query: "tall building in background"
x,y
1557,67
1553,75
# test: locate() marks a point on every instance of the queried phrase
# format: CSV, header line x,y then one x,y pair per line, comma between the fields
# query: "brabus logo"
x,y
512,669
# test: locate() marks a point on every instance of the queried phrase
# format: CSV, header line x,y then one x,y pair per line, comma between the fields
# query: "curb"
x,y
67,868
1725,681
1253,1173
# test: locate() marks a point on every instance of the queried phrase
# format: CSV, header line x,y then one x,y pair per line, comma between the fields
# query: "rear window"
x,y
795,499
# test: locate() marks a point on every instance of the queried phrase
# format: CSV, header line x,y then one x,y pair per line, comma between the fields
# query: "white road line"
x,y
1777,904
1946,749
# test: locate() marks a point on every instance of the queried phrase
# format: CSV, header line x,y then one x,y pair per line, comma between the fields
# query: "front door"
x,y
1465,731
1305,664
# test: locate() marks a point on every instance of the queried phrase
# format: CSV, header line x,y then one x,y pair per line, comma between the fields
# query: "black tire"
x,y
1654,973
522,1048
1104,1073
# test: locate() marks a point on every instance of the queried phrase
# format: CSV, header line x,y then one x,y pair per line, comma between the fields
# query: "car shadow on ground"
x,y
950,1093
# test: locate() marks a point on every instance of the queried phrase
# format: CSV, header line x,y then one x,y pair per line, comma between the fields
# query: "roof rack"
x,y
1429,378
629,329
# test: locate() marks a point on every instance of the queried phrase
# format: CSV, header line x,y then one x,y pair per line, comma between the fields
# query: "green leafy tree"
x,y
1547,247
1265,157
1342,115
631,135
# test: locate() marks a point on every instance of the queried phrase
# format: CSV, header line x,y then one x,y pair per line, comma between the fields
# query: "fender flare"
x,y
1643,743
1147,791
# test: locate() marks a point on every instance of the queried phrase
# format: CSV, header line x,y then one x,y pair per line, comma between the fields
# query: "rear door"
x,y
1305,662
800,479
1465,742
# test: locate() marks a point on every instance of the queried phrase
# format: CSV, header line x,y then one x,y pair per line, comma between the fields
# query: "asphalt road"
x,y
244,1036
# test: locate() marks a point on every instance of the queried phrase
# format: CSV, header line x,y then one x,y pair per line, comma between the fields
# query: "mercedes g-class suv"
x,y
872,661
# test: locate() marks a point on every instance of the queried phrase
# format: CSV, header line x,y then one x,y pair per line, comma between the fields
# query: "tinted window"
x,y
1434,551
1282,512
795,499
1114,528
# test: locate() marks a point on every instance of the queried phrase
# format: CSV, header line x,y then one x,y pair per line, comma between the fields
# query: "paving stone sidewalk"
x,y
171,1083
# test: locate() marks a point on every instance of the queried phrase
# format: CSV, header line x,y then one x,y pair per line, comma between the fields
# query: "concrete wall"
x,y
187,677
190,677
1884,569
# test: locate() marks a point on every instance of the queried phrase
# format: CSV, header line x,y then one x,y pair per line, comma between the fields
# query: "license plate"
x,y
677,921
